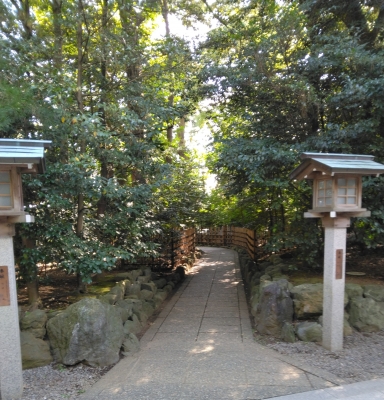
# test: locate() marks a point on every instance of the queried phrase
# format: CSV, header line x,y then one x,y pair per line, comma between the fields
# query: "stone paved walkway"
x,y
201,347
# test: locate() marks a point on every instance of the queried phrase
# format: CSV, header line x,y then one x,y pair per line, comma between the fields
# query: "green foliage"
x,y
285,78
89,77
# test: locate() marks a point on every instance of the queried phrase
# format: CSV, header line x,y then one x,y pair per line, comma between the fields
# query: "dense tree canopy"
x,y
288,77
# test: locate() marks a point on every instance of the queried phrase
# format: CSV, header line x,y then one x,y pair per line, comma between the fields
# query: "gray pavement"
x,y
201,347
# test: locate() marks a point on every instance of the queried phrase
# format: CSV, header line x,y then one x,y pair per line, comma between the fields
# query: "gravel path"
x,y
361,359
54,382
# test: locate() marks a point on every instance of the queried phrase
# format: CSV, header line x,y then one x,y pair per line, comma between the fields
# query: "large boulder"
x,y
34,352
366,315
308,300
34,322
88,331
274,309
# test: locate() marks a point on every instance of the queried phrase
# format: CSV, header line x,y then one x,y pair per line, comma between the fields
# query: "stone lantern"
x,y
337,196
16,158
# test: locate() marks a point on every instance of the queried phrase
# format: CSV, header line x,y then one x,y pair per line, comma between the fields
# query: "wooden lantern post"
x,y
337,196
16,157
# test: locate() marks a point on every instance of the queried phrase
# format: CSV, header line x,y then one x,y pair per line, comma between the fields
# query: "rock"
x,y
160,283
50,314
288,333
175,277
149,286
132,297
278,277
255,291
147,272
131,344
133,289
347,329
148,308
88,331
374,292
160,296
124,314
172,284
108,298
274,309
146,294
126,304
34,322
132,325
143,279
309,331
366,315
353,290
255,302
308,300
168,288
119,291
34,352
140,311
181,272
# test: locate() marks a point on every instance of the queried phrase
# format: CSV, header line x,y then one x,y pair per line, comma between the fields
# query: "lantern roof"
x,y
332,163
27,154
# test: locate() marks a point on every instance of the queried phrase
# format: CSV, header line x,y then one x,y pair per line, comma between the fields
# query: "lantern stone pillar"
x,y
335,230
17,157
11,378
337,196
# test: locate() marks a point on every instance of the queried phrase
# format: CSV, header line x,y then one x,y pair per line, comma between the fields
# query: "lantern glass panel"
x,y
346,191
5,189
324,193
5,201
5,177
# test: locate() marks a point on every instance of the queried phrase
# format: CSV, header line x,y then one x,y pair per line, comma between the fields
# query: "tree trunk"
x,y
181,137
33,285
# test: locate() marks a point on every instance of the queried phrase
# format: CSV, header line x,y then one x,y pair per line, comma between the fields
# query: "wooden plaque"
x,y
5,299
339,264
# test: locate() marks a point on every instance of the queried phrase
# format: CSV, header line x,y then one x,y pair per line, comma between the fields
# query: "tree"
x,y
288,77
86,75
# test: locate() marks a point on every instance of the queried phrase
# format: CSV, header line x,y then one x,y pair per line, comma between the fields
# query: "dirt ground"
x,y
58,289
